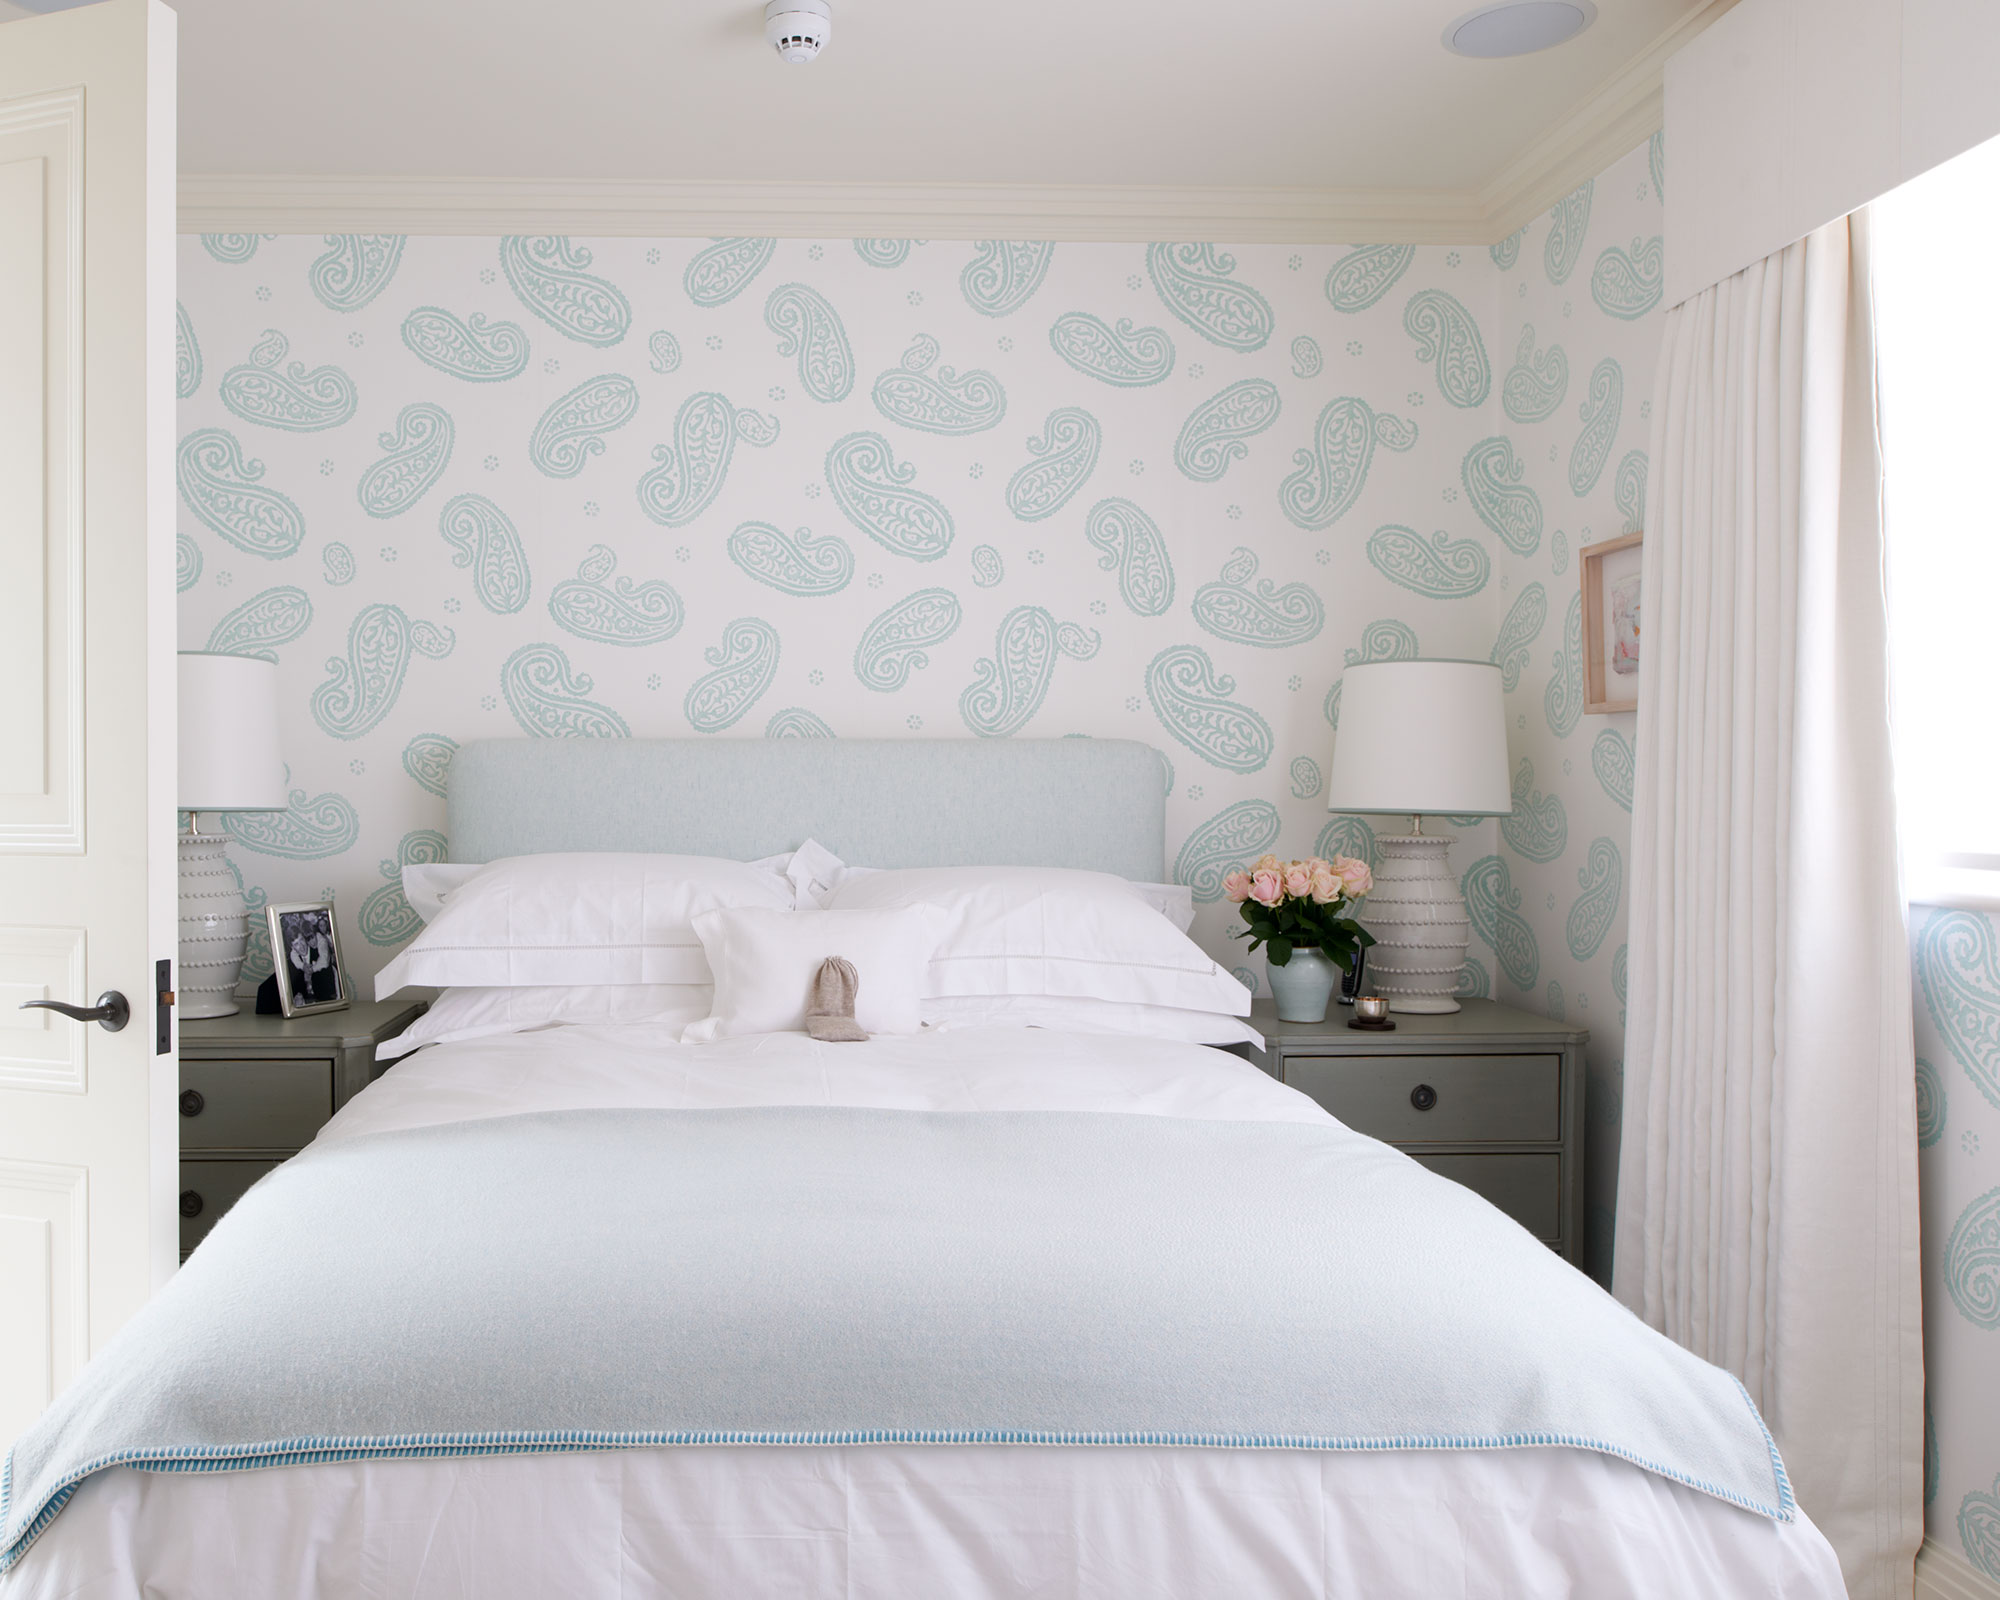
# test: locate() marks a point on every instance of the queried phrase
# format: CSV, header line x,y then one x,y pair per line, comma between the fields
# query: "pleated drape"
x,y
1767,1192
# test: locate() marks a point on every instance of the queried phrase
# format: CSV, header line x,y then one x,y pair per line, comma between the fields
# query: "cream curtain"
x,y
1767,1193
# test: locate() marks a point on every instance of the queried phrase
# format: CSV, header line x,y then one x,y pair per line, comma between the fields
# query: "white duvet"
x,y
863,1522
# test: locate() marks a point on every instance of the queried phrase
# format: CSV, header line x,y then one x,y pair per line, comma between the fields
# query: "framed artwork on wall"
x,y
1611,623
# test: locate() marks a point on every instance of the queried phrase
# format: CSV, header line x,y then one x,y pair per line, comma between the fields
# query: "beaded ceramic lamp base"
x,y
1418,918
214,928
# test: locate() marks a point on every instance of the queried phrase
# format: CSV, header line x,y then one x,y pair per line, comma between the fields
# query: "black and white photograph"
x,y
305,951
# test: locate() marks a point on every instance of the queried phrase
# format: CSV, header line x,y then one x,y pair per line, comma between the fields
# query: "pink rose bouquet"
x,y
1294,905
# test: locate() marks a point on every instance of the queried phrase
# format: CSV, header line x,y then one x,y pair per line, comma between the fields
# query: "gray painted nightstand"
x,y
1489,1096
255,1090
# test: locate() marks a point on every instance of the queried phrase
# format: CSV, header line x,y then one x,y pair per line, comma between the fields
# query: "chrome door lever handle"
x,y
111,1012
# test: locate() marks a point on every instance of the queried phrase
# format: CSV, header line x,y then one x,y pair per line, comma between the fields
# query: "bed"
x,y
985,1310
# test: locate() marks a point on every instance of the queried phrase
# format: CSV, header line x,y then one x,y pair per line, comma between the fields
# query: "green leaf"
x,y
1280,952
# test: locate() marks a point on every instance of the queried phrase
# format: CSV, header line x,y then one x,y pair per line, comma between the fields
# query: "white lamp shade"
x,y
230,758
1421,737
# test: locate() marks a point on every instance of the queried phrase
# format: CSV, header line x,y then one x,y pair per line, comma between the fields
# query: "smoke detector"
x,y
798,29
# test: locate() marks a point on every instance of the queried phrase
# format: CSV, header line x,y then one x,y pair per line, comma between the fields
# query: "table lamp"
x,y
229,761
1417,738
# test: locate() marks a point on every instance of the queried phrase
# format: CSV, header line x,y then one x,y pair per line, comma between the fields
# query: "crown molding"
x,y
1597,131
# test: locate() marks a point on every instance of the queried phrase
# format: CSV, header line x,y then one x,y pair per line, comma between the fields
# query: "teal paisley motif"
x,y
1979,1529
1562,701
1554,1005
1331,474
1656,161
471,350
1008,688
743,666
795,722
1933,1109
1194,280
1214,432
1192,702
1629,490
1132,544
720,273
801,564
1384,639
1619,961
1079,644
187,354
257,957
364,685
1306,359
427,759
275,617
355,269
222,488
1507,251
883,252
336,563
1628,285
809,328
1612,759
899,641
1361,277
947,403
310,829
187,563
592,607
1231,838
665,351
487,542
1491,474
1306,779
232,249
1447,336
419,451
1569,220
1493,906
1536,383
1443,569
296,400
1538,828
1126,357
386,918
1474,983
690,471
1062,459
872,491
987,568
1602,878
571,430
1600,412
1267,617
1972,1275
546,273
1959,971
548,700
1346,836
1004,273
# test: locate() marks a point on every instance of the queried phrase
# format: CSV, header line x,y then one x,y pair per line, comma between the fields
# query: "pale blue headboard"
x,y
1098,803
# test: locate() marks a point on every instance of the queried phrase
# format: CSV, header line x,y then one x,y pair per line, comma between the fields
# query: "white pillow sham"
x,y
764,962
1067,1014
458,1014
585,918
1050,931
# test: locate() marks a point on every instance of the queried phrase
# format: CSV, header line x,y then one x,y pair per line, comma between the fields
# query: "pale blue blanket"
x,y
583,1280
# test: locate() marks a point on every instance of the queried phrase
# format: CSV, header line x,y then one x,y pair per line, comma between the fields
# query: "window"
x,y
1938,330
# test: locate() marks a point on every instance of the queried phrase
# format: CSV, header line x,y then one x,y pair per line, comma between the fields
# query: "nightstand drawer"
x,y
209,1188
1471,1099
254,1105
1527,1187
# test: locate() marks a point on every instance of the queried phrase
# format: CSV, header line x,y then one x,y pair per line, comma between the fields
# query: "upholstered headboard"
x,y
1097,803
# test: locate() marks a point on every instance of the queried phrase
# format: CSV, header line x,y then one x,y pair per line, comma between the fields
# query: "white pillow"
x,y
579,918
1069,1015
764,962
1050,930
458,1014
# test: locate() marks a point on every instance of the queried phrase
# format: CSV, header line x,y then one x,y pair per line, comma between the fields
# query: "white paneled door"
x,y
87,871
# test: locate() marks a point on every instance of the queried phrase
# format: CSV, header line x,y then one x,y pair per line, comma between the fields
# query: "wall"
x,y
1956,955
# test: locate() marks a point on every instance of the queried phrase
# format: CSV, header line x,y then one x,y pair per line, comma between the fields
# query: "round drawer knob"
x,y
1423,1097
192,1103
190,1203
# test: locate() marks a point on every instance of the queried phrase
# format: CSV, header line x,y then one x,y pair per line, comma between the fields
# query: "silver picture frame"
x,y
305,958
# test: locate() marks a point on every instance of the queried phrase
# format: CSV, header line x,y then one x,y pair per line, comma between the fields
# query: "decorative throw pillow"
x,y
765,963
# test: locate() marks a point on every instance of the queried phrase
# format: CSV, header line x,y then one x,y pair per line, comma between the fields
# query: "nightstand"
x,y
255,1090
1489,1096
